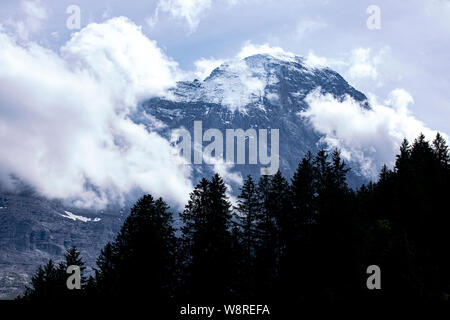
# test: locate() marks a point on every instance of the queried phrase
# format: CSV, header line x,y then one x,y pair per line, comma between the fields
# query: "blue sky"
x,y
65,94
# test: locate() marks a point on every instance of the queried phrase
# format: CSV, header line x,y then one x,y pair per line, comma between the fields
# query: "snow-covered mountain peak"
x,y
259,79
260,91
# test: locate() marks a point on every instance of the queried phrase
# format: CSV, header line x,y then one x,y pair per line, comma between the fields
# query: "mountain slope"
x,y
261,92
34,229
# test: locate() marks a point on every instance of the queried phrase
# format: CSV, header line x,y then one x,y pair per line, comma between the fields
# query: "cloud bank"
x,y
368,137
64,118
65,127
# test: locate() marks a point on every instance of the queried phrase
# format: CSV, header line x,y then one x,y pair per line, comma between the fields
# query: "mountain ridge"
x,y
260,91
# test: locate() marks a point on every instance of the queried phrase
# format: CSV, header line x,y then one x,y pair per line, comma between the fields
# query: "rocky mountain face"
x,y
260,92
34,229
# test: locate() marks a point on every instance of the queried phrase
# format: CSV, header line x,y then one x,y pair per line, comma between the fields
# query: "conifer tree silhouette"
x,y
208,242
140,264
248,208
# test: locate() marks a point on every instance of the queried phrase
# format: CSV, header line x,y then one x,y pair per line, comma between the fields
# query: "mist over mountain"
x,y
184,104
261,91
82,125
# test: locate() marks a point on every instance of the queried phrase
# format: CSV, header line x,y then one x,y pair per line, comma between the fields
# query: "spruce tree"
x,y
248,209
208,242
401,163
140,263
305,210
280,207
303,193
440,149
266,244
339,170
73,258
48,283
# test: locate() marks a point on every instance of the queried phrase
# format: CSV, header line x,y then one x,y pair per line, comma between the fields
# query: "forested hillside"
x,y
306,240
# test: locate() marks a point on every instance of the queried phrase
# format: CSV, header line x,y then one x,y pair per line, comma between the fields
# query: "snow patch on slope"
x,y
74,217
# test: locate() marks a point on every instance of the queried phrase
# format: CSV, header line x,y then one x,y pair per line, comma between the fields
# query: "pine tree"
x,y
265,241
334,218
324,184
265,221
140,263
331,183
401,163
339,170
304,193
106,279
48,283
220,205
304,219
385,174
440,149
422,155
248,208
208,241
73,258
280,207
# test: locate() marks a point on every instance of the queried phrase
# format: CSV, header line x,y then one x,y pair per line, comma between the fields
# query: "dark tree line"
x,y
49,281
310,239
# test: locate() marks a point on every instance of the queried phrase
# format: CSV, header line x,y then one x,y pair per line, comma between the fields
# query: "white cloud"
x,y
362,65
190,10
250,49
241,84
64,121
34,9
204,67
400,99
307,26
369,137
235,91
315,61
359,65
237,87
35,13
122,58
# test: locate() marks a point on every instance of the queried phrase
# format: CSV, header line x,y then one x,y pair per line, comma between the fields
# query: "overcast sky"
x,y
65,93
